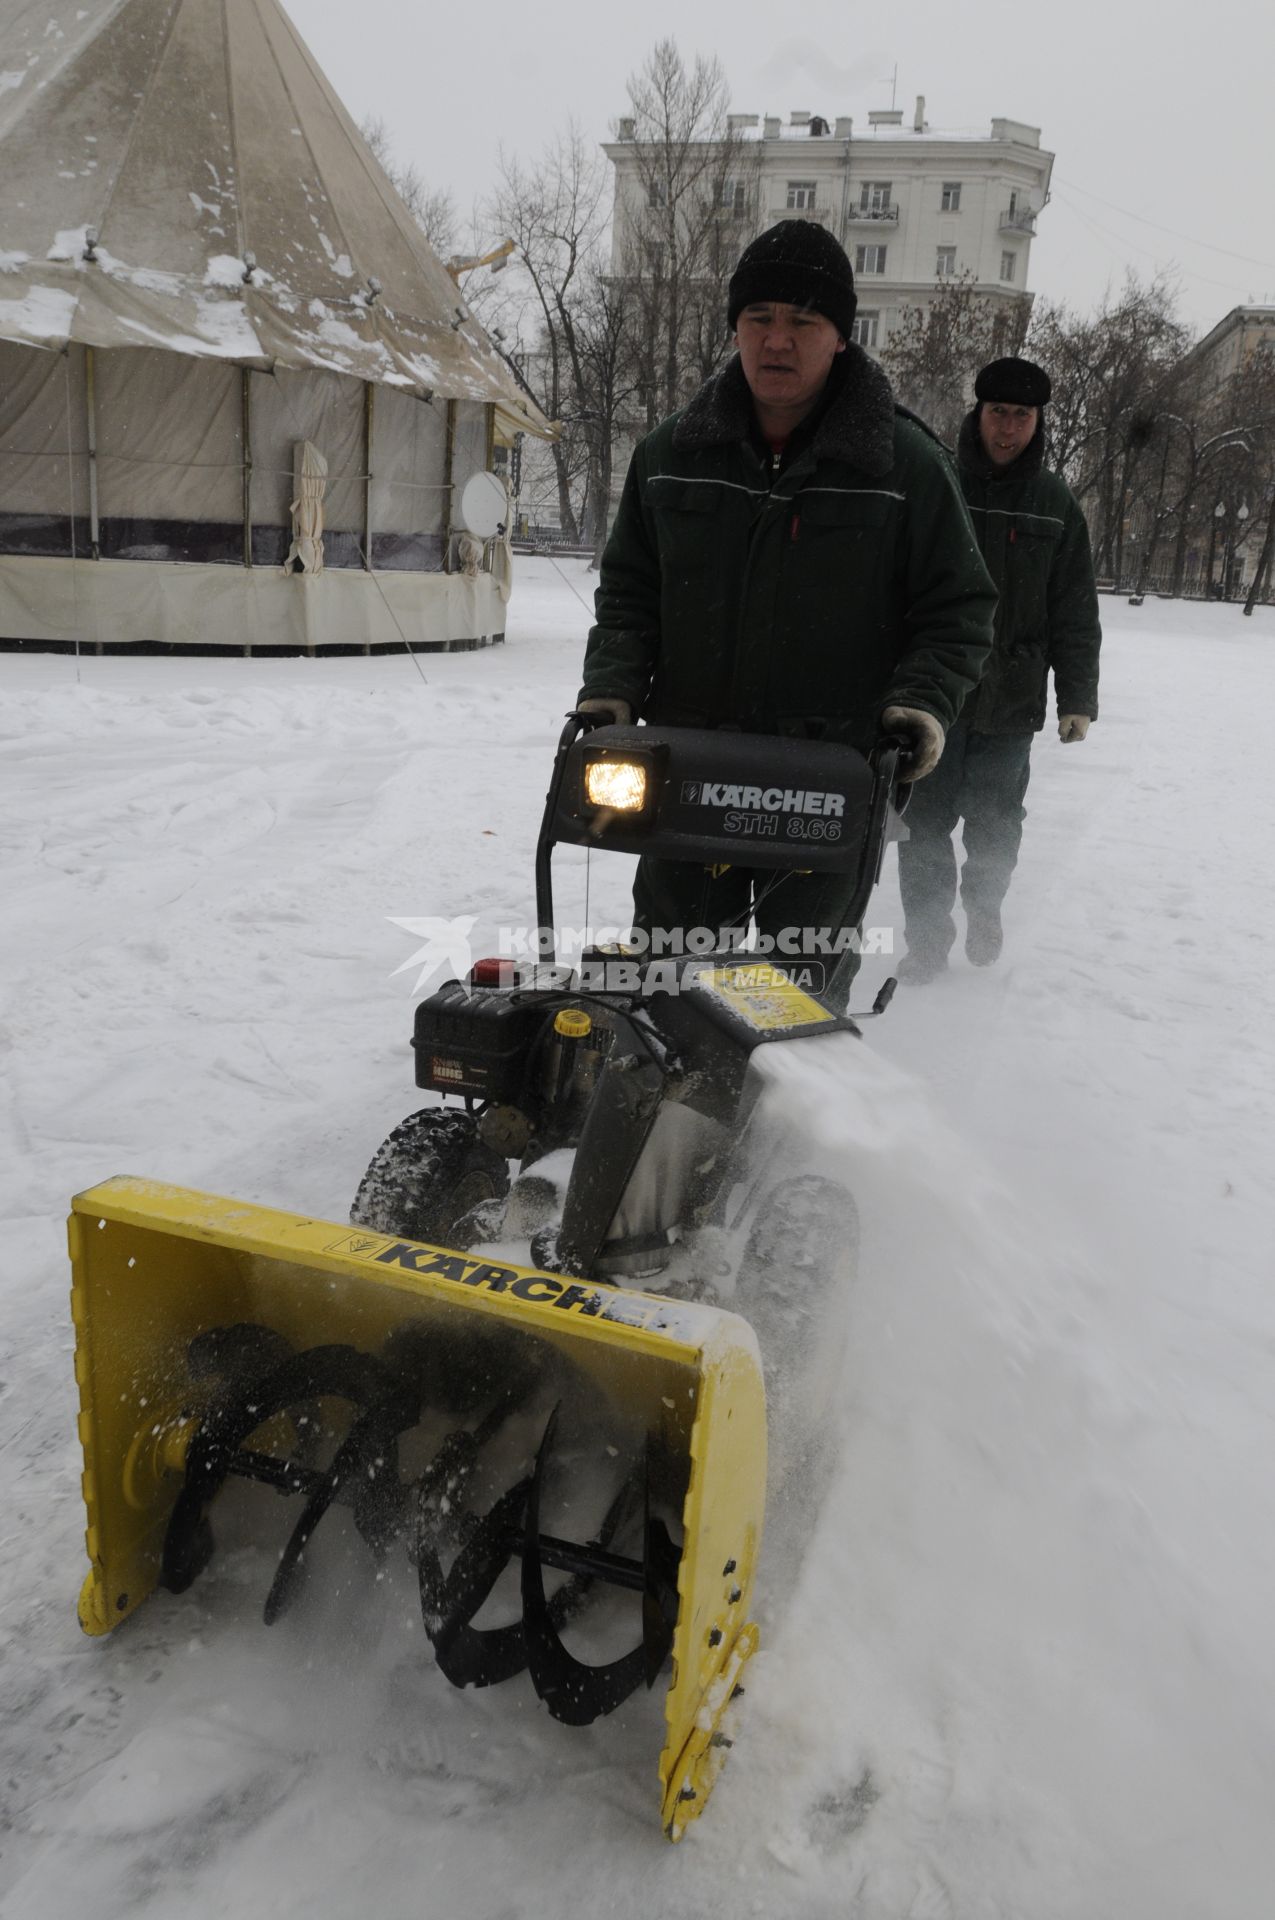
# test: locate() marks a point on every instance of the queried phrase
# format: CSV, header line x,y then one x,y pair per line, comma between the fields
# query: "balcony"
x,y
872,216
1018,220
780,210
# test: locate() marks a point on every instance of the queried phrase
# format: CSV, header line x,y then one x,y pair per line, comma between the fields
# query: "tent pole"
x,y
449,459
90,409
246,373
368,407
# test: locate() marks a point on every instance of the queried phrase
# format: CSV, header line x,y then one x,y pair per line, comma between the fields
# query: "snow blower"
x,y
552,1446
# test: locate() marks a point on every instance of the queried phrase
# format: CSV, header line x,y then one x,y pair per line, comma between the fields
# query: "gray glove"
x,y
924,734
1073,726
617,711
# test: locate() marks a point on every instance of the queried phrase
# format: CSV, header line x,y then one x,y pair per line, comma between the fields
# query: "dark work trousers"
x,y
980,779
678,896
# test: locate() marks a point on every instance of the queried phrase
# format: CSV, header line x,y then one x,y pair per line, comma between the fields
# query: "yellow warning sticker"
x,y
763,997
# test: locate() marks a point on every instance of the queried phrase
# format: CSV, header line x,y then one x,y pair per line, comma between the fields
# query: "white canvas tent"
x,y
203,269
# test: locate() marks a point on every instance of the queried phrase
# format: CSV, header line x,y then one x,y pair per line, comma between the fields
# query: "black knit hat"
x,y
1016,383
797,262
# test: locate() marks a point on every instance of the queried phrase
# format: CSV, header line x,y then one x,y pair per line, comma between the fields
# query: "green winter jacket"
x,y
802,601
1036,545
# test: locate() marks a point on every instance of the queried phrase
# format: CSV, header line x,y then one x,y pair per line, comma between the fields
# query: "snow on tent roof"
x,y
186,135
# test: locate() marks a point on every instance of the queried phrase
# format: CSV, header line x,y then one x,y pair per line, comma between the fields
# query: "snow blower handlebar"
x,y
577,724
718,798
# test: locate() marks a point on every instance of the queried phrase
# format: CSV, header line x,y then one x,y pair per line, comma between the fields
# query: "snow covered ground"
x,y
1028,1668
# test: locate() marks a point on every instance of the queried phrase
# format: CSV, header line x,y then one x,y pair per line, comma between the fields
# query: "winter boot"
x,y
984,937
920,965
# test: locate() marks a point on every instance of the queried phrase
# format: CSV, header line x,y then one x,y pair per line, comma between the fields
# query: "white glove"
x,y
924,734
617,711
1073,726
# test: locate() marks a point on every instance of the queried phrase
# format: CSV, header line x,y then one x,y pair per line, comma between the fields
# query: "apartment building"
x,y
910,204
1226,350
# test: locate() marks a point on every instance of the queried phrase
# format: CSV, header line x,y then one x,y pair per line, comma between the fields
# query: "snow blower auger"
x,y
499,1420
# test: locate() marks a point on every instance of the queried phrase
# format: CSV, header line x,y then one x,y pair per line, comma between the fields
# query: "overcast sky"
x,y
1161,118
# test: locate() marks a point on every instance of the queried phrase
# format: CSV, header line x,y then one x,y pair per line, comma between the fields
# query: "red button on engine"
x,y
492,973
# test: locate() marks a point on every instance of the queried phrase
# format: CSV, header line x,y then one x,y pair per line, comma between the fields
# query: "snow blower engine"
x,y
468,1369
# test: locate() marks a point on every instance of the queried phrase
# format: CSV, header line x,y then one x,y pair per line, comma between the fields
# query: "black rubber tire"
x,y
432,1169
795,1287
803,1242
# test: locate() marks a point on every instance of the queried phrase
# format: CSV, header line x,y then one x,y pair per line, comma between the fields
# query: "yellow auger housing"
x,y
167,1283
379,1369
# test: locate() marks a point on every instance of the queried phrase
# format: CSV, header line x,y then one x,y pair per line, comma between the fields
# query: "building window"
x,y
1013,204
945,262
657,194
874,196
801,195
869,259
1007,266
731,196
951,201
864,330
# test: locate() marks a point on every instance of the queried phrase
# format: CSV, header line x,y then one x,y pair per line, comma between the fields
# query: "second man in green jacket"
x,y
1036,545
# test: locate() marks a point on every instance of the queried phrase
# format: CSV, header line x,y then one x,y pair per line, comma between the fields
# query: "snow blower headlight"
x,y
621,786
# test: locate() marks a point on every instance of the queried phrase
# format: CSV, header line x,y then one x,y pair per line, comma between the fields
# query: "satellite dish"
x,y
482,505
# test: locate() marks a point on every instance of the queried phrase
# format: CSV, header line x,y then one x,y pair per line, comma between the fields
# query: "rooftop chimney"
x,y
770,131
918,124
843,126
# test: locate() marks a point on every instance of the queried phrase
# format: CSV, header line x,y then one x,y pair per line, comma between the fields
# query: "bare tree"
x,y
935,352
599,348
431,208
607,379
1151,448
1186,459
1114,375
552,210
696,188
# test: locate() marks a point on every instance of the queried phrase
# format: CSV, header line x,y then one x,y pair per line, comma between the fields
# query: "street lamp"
x,y
1237,535
1219,515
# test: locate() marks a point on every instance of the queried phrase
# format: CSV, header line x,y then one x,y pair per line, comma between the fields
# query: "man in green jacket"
x,y
1036,545
791,555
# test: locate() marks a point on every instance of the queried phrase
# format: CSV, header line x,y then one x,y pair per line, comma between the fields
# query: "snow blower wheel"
x,y
430,1172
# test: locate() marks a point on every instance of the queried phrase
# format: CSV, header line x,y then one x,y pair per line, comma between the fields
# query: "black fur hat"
x,y
1017,383
797,262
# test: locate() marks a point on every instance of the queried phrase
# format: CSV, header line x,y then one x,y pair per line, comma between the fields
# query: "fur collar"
x,y
856,425
973,456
